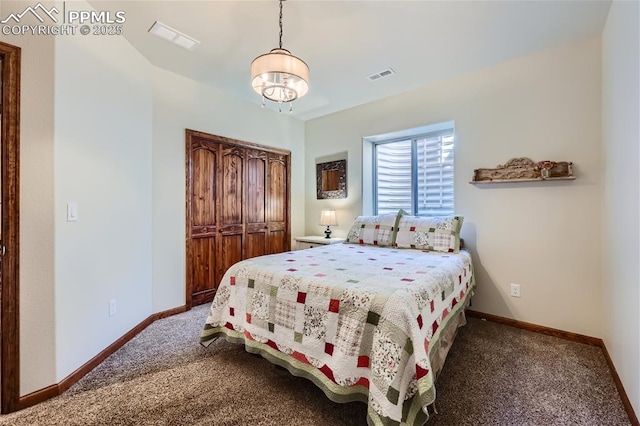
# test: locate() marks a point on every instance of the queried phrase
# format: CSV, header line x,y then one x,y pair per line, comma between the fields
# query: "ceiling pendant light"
x,y
279,76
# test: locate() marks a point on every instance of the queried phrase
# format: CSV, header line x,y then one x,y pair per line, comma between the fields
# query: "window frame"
x,y
412,135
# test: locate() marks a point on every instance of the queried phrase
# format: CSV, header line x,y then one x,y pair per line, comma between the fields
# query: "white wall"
x,y
103,128
544,236
179,104
103,163
621,181
37,312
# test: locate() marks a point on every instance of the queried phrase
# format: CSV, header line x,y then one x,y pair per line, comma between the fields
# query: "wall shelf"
x,y
523,169
482,182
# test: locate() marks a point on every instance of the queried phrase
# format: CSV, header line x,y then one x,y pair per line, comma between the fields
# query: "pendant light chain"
x,y
280,24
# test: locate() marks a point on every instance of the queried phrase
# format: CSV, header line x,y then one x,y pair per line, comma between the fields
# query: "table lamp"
x,y
328,218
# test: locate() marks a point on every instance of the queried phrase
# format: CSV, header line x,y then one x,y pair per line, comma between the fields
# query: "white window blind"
x,y
415,174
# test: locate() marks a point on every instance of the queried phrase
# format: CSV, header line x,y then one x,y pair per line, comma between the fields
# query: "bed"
x,y
361,321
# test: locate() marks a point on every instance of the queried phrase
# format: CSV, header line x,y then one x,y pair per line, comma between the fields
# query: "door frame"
x,y
10,253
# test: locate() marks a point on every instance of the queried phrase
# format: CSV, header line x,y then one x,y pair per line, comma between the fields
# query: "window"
x,y
414,173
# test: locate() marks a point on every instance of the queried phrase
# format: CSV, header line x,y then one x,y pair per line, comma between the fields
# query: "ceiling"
x,y
343,42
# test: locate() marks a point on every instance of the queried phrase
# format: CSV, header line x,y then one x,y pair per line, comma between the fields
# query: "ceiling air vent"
x,y
383,73
174,36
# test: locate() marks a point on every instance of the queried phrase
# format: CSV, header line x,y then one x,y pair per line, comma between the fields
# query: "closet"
x,y
238,197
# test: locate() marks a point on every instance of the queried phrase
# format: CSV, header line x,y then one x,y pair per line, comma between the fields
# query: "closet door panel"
x,y
203,197
231,202
256,243
202,187
230,252
231,176
256,186
278,204
203,270
256,211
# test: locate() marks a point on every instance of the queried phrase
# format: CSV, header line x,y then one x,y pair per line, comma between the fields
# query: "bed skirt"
x,y
297,365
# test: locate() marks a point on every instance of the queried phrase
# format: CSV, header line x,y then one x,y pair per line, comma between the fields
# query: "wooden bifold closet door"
x,y
238,197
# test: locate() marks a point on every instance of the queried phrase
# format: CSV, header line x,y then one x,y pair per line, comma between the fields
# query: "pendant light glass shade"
x,y
279,76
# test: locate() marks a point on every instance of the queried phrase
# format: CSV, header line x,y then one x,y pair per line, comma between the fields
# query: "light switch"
x,y
72,212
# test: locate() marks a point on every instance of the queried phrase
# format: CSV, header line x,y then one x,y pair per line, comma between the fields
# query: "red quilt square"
x,y
363,361
327,372
334,305
413,228
249,318
432,306
421,372
232,281
419,321
232,311
302,297
328,348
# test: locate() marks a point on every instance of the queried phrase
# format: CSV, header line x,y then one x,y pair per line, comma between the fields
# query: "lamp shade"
x,y
280,76
328,218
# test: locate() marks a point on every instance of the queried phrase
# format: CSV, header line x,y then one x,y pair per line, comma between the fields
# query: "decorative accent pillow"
x,y
440,234
373,230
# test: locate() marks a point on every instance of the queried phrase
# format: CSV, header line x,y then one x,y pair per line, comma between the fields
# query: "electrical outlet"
x,y
113,307
515,290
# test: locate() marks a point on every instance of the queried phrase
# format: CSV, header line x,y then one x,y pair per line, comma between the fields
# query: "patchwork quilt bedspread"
x,y
358,321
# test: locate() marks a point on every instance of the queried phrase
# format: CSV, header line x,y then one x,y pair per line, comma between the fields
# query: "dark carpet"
x,y
494,375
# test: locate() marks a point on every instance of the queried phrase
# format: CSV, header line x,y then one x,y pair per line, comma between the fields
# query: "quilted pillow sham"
x,y
441,234
374,230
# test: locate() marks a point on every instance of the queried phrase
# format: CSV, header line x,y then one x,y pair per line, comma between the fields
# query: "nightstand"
x,y
315,241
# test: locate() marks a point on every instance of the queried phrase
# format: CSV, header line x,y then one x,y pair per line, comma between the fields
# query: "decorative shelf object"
x,y
525,170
